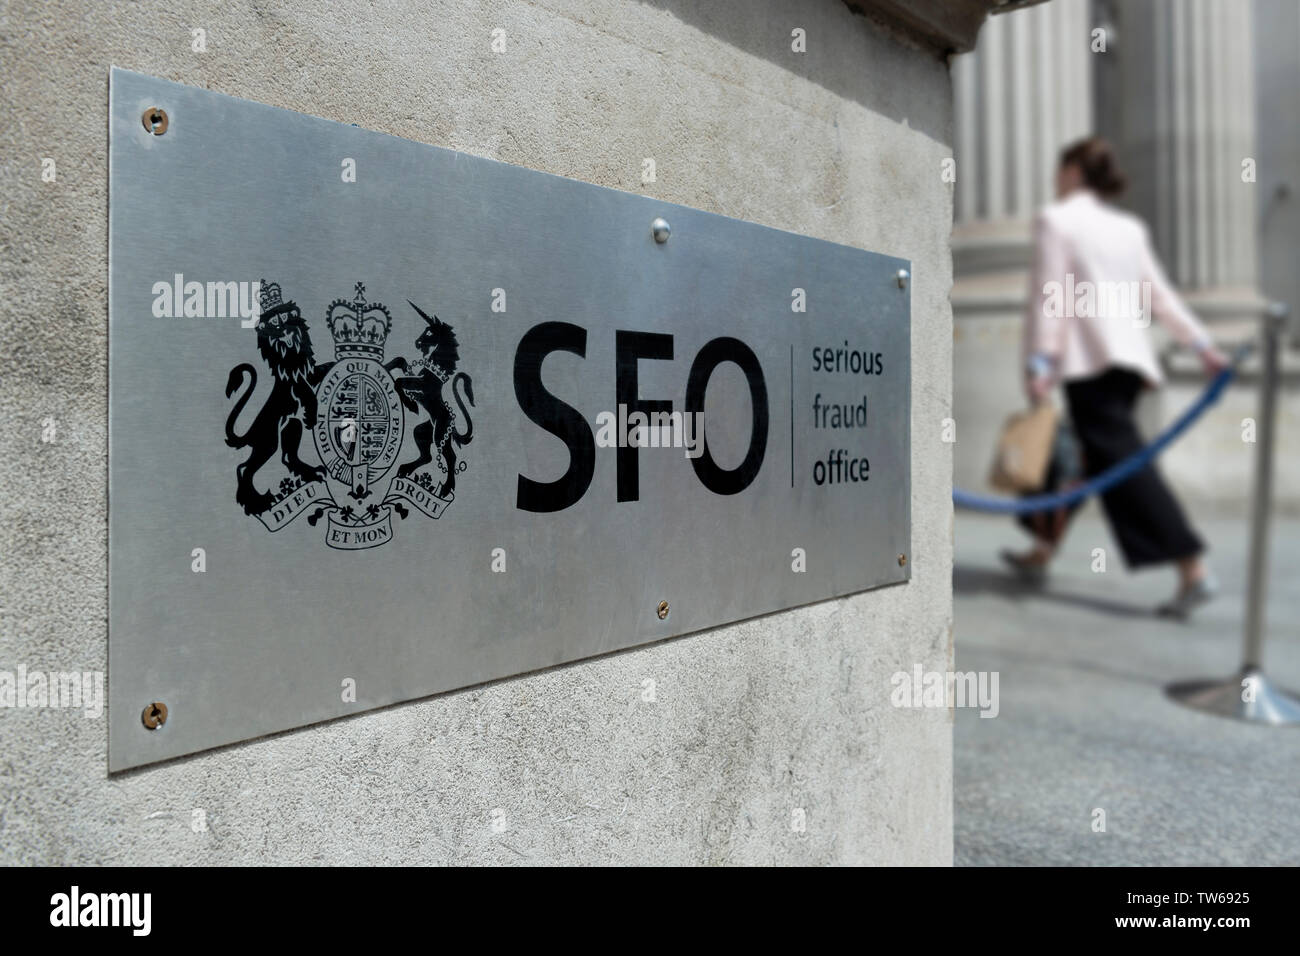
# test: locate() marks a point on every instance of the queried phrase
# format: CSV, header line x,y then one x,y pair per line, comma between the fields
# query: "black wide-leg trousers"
x,y
1144,516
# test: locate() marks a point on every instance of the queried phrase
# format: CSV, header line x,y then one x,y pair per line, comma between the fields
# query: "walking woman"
x,y
1086,328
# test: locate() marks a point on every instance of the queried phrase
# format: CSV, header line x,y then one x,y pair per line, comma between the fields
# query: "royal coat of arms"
x,y
354,408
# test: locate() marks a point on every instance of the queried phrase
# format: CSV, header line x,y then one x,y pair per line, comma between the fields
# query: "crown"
x,y
269,299
359,327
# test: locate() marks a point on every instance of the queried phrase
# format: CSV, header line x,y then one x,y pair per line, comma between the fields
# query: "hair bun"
x,y
1096,161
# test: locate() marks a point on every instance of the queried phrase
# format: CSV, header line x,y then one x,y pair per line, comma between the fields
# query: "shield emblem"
x,y
359,429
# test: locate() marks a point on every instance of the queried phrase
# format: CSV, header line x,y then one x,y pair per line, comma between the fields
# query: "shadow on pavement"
x,y
968,579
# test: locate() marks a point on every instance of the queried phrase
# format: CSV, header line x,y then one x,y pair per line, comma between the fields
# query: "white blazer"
x,y
1095,286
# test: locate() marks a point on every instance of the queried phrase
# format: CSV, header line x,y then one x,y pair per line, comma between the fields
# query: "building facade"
x,y
1198,98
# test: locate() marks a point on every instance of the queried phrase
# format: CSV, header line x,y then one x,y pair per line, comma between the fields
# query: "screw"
x,y
902,560
902,276
662,610
155,120
155,715
660,230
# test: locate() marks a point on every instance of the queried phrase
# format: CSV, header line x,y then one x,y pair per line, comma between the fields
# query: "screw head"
x,y
662,610
902,276
660,230
902,560
155,715
155,120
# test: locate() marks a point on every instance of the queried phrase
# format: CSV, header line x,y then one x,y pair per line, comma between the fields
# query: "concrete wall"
x,y
751,721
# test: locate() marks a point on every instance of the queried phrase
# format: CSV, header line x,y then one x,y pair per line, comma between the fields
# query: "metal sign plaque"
x,y
387,420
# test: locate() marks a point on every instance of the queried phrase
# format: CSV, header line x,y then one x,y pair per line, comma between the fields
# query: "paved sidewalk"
x,y
1084,722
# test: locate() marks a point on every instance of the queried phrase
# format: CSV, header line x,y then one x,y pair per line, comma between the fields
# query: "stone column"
x,y
1020,96
1183,122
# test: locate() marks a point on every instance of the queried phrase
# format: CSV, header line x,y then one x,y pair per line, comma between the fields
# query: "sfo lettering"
x,y
568,424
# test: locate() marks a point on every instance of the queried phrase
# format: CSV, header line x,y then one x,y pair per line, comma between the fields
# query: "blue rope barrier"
x,y
1113,475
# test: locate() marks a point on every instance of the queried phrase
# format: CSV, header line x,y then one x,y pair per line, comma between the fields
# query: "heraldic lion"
x,y
285,345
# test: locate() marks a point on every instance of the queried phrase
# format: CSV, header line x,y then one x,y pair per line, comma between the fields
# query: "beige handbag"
x,y
1024,450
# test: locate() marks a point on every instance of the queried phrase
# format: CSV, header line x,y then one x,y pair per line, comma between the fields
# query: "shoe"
x,y
1027,569
1189,598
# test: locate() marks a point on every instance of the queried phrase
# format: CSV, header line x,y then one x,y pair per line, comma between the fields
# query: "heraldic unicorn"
x,y
354,409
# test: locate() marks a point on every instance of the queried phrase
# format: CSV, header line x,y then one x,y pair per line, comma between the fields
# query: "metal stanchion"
x,y
1250,695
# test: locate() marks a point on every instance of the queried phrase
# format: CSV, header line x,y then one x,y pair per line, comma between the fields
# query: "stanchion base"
x,y
1269,704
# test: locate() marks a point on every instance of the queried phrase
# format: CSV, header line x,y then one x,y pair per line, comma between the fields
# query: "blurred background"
x,y
1200,99
1185,91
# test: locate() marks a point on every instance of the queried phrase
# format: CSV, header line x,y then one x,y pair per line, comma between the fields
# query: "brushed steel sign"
x,y
387,420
